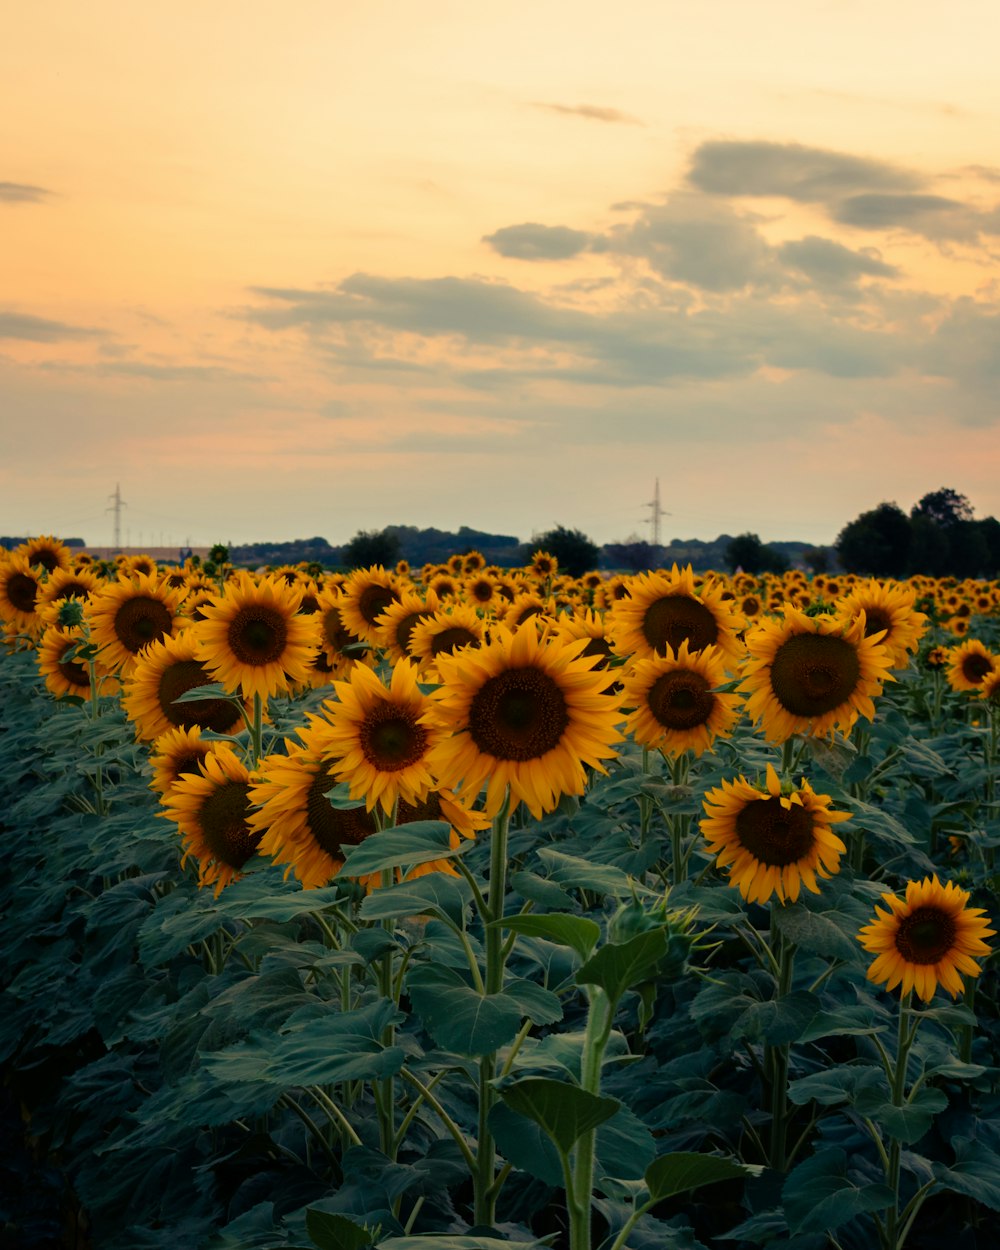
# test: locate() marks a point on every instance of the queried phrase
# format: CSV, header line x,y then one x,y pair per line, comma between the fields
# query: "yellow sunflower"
x,y
812,675
367,594
46,552
174,753
398,621
890,608
162,673
543,565
970,665
66,584
377,739
772,842
522,608
663,610
20,587
211,812
334,635
926,939
481,590
66,674
128,615
990,689
593,627
252,638
444,632
524,711
675,706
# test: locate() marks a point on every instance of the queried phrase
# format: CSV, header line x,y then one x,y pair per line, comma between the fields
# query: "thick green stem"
x,y
579,1194
776,1057
904,1040
485,1200
257,730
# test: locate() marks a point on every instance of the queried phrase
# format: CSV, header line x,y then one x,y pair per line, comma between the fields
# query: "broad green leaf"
x,y
625,1147
436,894
341,1046
908,1123
844,1020
433,1241
457,1016
372,943
832,1086
575,931
618,967
818,1196
564,1111
339,797
778,1021
540,1005
336,1232
539,890
569,870
975,1172
213,691
683,1170
416,843
525,1144
816,932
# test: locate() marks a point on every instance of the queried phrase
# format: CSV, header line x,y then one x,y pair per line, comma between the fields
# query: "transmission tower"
x,y
656,515
117,503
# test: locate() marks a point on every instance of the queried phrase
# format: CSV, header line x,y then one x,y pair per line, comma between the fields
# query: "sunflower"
x,y
926,939
662,611
543,565
772,842
472,562
295,822
481,589
162,673
675,706
594,628
252,638
379,745
812,675
128,615
970,665
175,753
990,690
66,584
66,674
524,711
398,621
367,594
522,608
20,587
888,609
211,812
444,632
46,553
445,586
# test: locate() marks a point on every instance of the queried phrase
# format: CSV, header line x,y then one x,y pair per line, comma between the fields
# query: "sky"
x,y
297,270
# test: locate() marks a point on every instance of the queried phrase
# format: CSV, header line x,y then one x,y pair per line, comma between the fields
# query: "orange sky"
x,y
304,271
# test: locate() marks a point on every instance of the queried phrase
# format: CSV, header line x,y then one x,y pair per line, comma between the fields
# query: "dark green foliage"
x,y
748,553
577,554
877,542
369,547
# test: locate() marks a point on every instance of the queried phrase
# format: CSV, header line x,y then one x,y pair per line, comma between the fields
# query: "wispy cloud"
x,y
590,112
40,330
532,241
23,193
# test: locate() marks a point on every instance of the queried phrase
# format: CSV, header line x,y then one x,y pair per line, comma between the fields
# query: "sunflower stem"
x,y
776,1057
485,1199
257,729
966,1031
905,1036
599,1020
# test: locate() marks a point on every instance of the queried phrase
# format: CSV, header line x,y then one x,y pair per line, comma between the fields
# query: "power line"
x,y
117,505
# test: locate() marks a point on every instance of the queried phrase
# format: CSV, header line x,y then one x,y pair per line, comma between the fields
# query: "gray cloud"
x,y
40,330
831,264
590,112
967,345
791,170
934,216
532,241
22,193
175,373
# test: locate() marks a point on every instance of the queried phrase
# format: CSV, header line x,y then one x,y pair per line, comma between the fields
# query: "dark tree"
x,y
876,542
930,548
944,507
989,527
969,552
369,547
634,556
748,553
576,553
817,559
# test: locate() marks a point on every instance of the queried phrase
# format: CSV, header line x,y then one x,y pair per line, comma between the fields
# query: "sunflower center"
x,y
257,635
374,600
391,739
47,558
73,671
429,809
405,629
22,591
518,715
331,827
814,673
681,700
482,591
774,834
599,647
751,605
976,666
140,621
335,633
182,764
876,620
926,936
223,822
678,618
215,714
75,589
449,640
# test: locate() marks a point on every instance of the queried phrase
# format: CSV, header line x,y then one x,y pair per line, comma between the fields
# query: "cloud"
x,y
933,216
22,193
40,330
831,264
175,373
532,241
590,112
791,170
967,345
695,240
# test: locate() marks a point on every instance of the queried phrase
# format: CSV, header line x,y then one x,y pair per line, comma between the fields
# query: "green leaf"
x,y
818,1196
416,843
569,870
436,894
833,1086
975,1172
525,1144
816,932
540,1005
778,1021
618,967
539,890
213,691
908,1123
575,931
683,1170
625,1147
339,797
434,1241
457,1016
564,1111
336,1232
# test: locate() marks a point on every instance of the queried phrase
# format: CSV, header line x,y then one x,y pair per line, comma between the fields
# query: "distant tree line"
x,y
940,537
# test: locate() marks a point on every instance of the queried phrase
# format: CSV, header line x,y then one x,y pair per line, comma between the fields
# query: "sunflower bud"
x,y
70,614
634,917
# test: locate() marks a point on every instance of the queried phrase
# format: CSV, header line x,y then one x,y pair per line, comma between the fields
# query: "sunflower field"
x,y
462,906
